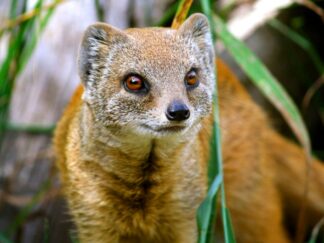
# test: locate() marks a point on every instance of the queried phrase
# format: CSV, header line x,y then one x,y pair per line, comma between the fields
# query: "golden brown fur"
x,y
125,187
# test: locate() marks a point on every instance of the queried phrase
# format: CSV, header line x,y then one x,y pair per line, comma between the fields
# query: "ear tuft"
x,y
97,41
97,32
196,28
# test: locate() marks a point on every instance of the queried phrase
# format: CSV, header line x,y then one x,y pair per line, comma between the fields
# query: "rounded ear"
x,y
196,28
97,41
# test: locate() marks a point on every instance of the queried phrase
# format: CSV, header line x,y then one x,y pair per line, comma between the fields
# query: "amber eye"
x,y
191,79
135,83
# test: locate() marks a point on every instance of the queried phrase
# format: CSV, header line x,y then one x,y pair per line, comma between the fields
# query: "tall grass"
x,y
301,41
23,28
23,38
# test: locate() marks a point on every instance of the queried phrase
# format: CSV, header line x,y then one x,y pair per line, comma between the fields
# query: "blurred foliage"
x,y
23,39
301,41
315,232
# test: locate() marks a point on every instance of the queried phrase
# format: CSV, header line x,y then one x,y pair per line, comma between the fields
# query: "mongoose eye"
x,y
191,79
135,83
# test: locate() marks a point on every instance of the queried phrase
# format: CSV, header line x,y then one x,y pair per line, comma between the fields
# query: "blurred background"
x,y
39,43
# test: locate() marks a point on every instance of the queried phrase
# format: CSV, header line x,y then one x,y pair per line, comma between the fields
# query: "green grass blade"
x,y
299,40
226,219
315,231
25,212
46,231
4,239
8,66
206,211
216,159
207,10
30,128
213,167
275,93
100,11
26,54
23,40
169,13
13,8
265,81
73,237
28,32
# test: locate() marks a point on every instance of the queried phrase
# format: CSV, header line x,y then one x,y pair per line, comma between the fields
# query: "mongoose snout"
x,y
177,111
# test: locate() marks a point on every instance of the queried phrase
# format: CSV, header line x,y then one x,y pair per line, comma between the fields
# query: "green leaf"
x,y
299,40
207,10
207,214
168,15
4,238
23,40
36,27
100,11
271,88
206,211
24,213
227,224
46,231
265,81
315,231
30,128
73,237
9,64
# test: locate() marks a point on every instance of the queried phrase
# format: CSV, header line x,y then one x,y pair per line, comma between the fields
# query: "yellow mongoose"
x,y
133,144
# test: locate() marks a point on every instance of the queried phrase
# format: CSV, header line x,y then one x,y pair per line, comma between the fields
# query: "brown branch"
x,y
312,6
311,91
23,200
181,14
18,166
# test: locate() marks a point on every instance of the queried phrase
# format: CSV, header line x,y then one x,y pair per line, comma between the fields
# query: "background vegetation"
x,y
30,209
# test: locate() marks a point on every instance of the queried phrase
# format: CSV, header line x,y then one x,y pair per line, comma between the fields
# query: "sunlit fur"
x,y
127,182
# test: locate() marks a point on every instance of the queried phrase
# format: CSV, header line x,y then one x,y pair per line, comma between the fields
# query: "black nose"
x,y
177,111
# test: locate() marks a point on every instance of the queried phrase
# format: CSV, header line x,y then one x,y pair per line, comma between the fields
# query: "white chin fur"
x,y
177,133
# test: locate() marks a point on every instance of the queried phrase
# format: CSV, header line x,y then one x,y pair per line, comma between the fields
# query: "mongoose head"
x,y
151,81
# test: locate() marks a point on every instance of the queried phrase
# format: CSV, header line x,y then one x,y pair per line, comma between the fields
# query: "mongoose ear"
x,y
196,28
98,40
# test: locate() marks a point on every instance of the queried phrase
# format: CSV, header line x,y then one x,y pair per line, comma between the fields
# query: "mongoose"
x,y
133,144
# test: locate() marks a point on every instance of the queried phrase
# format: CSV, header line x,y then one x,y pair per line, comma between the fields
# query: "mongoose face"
x,y
153,81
